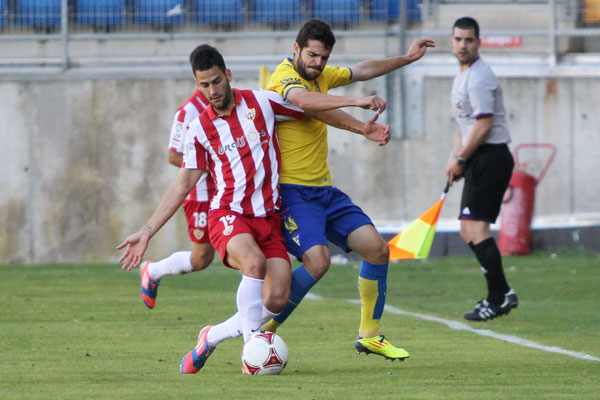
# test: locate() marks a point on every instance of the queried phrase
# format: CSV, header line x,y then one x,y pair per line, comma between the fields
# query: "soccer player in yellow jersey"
x,y
313,211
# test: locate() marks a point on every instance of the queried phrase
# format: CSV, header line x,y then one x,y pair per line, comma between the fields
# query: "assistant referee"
x,y
480,154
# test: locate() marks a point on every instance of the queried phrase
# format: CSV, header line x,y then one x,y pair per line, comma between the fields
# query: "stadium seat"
x,y
277,11
38,13
3,12
158,12
99,12
223,12
337,11
389,10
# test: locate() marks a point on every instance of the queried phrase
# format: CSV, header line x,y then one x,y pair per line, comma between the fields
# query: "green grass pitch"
x,y
82,332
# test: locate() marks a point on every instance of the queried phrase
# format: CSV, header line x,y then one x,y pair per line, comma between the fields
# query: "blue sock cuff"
x,y
373,271
302,282
301,275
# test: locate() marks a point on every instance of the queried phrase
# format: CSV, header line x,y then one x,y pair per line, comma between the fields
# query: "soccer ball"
x,y
264,354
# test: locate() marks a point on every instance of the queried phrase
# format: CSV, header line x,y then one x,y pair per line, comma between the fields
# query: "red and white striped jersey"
x,y
185,114
241,151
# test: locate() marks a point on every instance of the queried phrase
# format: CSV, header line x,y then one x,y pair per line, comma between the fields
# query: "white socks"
x,y
249,304
228,329
232,328
176,264
267,315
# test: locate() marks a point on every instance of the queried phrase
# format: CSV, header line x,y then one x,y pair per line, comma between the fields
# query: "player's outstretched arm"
x,y
136,244
370,69
371,130
312,102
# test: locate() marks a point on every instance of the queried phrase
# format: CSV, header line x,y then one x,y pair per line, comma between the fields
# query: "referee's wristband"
x,y
461,161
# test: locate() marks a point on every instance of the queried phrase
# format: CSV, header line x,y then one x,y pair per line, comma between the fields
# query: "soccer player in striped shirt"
x,y
195,207
315,212
235,139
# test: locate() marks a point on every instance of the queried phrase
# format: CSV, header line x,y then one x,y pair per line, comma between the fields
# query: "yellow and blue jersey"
x,y
303,143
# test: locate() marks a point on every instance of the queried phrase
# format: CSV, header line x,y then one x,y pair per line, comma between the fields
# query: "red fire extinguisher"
x,y
517,208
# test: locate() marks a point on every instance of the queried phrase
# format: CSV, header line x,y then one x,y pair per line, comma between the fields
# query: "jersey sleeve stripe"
x,y
182,114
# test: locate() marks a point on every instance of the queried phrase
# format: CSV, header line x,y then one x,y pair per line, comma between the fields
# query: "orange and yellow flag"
x,y
415,241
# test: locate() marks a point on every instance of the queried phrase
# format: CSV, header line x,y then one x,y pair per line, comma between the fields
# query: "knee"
x,y
465,235
382,252
378,253
255,266
317,267
275,301
202,260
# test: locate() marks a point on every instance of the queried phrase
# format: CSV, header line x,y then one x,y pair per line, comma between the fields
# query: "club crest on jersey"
x,y
198,234
250,113
292,228
239,142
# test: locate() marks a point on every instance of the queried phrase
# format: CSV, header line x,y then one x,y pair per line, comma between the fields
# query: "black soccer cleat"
x,y
484,310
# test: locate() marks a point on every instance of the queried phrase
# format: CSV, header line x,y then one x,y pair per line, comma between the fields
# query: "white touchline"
x,y
461,326
312,296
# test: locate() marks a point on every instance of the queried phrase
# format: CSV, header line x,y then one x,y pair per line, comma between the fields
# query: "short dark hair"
x,y
467,23
204,57
316,29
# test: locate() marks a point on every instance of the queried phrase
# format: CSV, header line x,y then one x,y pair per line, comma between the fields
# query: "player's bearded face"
x,y
221,97
310,61
465,45
214,85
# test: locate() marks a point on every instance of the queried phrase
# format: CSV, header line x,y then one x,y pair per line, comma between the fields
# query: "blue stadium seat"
x,y
3,12
38,13
337,11
222,12
158,12
99,12
389,10
277,11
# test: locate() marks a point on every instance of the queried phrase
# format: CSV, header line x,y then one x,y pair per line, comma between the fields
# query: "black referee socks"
x,y
489,257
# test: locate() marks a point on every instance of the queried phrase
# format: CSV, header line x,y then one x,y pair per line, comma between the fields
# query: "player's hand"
x,y
377,132
454,172
136,244
418,48
374,103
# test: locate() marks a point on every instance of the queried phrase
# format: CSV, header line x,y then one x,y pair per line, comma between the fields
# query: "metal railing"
x,y
69,21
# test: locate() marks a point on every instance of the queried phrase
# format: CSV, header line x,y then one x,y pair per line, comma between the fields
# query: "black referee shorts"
x,y
487,174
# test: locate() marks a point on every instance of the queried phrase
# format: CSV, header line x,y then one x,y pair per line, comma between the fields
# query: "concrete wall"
x,y
83,159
